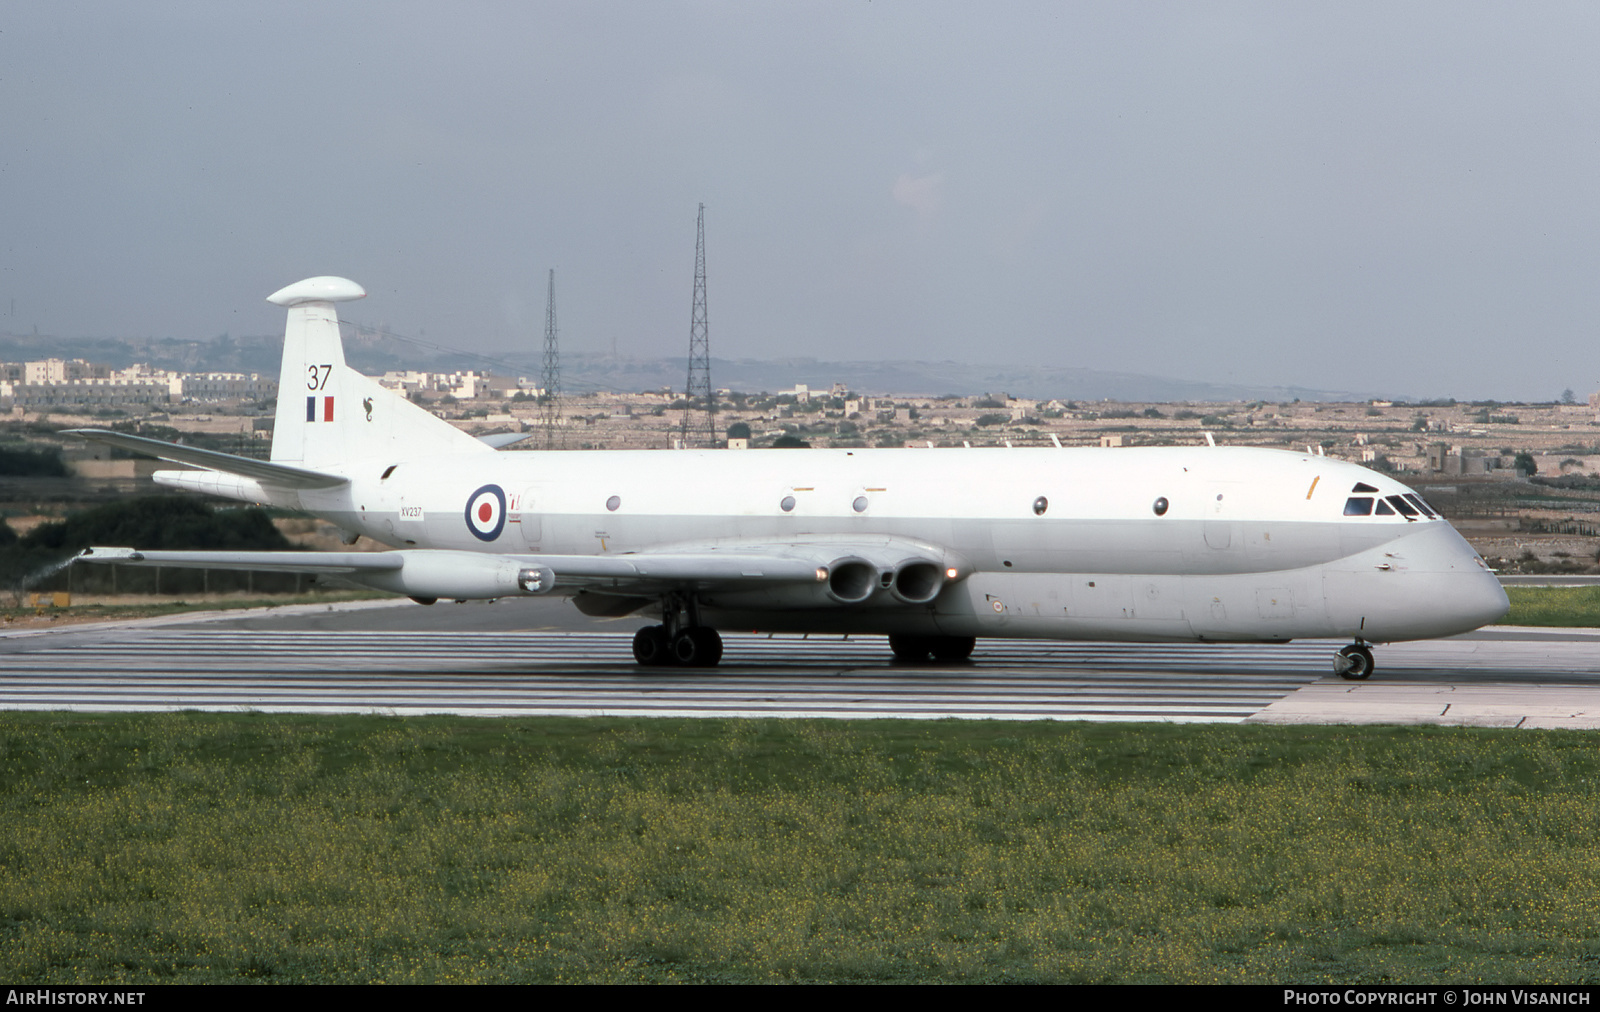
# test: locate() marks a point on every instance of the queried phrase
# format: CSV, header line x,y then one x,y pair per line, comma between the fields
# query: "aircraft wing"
x,y
577,570
820,574
263,471
265,562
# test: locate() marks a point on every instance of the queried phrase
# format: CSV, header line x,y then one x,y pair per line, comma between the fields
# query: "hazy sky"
x,y
1392,196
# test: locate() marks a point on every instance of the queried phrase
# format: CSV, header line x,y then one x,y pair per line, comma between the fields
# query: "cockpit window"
x,y
1358,506
1362,486
1422,504
1384,509
1406,509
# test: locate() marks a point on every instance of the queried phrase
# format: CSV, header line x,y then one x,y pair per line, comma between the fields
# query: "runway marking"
x,y
1519,680
592,674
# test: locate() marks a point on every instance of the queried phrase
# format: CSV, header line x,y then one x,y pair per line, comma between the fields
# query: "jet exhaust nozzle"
x,y
851,581
917,581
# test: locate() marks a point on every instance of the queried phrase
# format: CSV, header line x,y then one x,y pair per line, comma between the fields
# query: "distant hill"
x,y
581,372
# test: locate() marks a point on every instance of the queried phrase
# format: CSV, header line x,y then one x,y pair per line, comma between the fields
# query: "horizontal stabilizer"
x,y
281,475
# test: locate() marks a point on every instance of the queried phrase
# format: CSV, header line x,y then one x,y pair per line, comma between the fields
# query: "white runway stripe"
x,y
592,674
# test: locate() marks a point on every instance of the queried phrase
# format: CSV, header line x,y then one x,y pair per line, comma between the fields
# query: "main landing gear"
x,y
1354,662
681,640
943,649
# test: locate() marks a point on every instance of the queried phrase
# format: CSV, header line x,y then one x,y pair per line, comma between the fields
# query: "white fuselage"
x,y
1249,544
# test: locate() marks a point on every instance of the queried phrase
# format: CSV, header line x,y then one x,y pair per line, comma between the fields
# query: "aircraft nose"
x,y
1483,600
1424,584
1461,589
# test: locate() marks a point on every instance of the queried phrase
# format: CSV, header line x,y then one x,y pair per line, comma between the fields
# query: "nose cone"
x,y
1470,599
1427,583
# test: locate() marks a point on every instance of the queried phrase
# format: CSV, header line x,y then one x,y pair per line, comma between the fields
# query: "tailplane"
x,y
329,414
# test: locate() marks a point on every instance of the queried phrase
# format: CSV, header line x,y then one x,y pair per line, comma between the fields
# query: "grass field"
x,y
1554,606
200,847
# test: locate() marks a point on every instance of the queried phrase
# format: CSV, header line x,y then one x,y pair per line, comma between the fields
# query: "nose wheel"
x,y
1353,663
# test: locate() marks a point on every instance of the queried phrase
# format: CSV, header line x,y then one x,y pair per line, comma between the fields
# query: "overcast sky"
x,y
1387,196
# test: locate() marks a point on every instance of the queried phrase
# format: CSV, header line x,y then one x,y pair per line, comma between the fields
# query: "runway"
x,y
483,661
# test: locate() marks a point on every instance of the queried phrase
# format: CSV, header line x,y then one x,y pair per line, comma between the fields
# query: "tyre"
x,y
911,649
699,647
650,647
1359,659
951,649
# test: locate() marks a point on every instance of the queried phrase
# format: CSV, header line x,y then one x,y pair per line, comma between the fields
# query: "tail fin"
x,y
329,414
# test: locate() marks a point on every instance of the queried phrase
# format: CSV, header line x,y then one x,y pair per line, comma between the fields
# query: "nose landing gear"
x,y
1354,662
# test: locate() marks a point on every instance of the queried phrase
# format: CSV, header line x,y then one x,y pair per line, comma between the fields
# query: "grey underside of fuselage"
x,y
1135,580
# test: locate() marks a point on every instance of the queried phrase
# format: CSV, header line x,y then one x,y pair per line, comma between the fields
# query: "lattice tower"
x,y
550,399
700,416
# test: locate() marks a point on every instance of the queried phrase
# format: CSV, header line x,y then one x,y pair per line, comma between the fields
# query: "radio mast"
x,y
700,415
550,400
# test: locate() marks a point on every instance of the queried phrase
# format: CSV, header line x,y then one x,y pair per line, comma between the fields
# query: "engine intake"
x,y
917,581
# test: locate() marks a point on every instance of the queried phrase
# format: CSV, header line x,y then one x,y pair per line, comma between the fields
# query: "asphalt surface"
x,y
541,656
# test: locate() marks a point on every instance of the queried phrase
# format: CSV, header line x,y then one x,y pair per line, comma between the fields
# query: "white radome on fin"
x,y
323,289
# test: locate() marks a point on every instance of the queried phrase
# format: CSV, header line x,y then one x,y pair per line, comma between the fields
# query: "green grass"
x,y
1554,606
197,847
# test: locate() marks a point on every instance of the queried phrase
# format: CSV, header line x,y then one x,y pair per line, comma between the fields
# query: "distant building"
x,y
1461,460
224,386
55,370
86,393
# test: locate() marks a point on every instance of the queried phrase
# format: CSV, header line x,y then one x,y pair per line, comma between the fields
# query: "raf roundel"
x,y
486,512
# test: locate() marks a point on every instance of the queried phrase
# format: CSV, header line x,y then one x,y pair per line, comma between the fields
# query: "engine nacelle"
x,y
460,576
867,578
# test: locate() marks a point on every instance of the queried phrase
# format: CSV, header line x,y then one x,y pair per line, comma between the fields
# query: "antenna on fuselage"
x,y
1209,440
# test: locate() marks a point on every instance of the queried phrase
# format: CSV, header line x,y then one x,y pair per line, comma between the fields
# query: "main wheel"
x,y
911,649
650,646
949,649
1359,659
698,647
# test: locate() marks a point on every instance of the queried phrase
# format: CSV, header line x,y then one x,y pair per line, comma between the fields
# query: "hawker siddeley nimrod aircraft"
x,y
931,547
